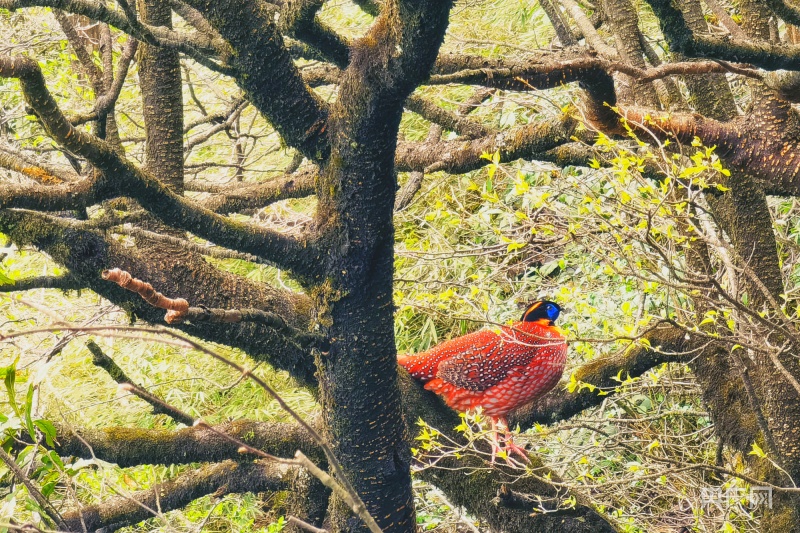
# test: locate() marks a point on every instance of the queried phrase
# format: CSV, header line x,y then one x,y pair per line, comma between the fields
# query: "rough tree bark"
x,y
344,260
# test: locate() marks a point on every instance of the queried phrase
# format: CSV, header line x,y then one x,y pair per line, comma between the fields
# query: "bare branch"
x,y
100,359
222,126
298,19
766,55
227,477
259,195
297,255
267,74
65,282
457,157
430,111
33,491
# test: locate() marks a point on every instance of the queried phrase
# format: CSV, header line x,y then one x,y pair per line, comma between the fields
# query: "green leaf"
x,y
28,408
4,279
54,458
10,377
48,488
48,430
757,451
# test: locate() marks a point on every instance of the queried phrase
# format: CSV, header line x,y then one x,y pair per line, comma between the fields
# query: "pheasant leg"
x,y
508,442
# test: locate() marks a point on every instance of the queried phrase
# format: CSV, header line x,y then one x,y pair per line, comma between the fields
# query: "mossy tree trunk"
x,y
358,375
345,261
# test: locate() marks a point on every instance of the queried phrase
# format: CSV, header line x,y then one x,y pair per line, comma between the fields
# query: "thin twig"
x,y
305,525
358,507
34,492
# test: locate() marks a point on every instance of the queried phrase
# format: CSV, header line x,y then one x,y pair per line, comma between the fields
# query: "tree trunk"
x,y
162,101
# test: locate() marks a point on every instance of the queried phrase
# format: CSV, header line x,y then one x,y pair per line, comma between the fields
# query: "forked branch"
x,y
301,256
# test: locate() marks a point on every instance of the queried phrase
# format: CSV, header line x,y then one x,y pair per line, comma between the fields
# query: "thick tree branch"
x,y
667,345
297,255
196,46
131,446
259,195
785,11
267,74
39,172
65,282
393,62
227,477
552,70
91,70
183,244
433,113
62,197
173,271
321,74
179,311
564,33
299,19
623,21
325,74
763,54
458,157
588,30
198,22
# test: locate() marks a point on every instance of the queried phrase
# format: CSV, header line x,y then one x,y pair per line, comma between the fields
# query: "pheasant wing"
x,y
486,361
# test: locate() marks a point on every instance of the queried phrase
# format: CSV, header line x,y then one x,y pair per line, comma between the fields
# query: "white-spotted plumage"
x,y
497,370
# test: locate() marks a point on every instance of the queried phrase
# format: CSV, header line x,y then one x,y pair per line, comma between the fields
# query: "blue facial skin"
x,y
543,310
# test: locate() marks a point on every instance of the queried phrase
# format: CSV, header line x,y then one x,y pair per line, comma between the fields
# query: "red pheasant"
x,y
497,371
